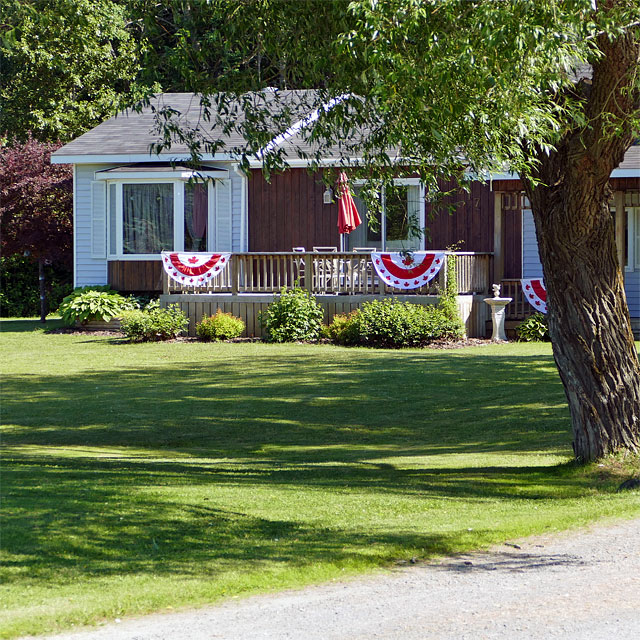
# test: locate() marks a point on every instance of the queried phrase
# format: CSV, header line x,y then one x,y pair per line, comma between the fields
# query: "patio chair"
x,y
299,263
362,277
326,271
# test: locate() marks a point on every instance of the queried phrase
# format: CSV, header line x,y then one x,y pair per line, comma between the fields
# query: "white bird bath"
x,y
498,305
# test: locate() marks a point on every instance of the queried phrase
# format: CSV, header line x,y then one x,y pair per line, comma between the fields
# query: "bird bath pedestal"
x,y
498,305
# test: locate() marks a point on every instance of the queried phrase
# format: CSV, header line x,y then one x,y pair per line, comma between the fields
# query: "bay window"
x,y
146,217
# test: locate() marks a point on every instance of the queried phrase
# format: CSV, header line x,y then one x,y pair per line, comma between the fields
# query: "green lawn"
x,y
145,477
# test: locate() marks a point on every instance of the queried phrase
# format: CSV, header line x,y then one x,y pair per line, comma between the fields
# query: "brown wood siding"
x,y
507,185
512,243
625,184
616,184
288,212
470,225
135,275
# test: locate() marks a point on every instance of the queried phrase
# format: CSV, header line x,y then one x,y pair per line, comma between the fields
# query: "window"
x,y
403,219
145,218
632,230
196,217
148,211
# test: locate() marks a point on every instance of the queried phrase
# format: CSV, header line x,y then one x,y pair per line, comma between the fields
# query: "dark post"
x,y
43,299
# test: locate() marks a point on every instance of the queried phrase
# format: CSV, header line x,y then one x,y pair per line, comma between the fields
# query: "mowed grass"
x,y
138,478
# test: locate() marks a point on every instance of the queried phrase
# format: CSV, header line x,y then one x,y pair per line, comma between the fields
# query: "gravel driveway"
x,y
581,585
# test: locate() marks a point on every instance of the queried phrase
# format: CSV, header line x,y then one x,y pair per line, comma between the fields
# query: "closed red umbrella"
x,y
348,216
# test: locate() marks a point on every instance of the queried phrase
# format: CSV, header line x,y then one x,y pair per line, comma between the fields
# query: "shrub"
x,y
154,325
221,326
94,303
294,316
534,329
391,324
344,329
19,286
149,305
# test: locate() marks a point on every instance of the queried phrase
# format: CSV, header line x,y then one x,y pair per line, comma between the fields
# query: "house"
x,y
129,205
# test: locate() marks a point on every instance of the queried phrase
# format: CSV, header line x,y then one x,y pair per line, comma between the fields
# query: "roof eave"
x,y
130,158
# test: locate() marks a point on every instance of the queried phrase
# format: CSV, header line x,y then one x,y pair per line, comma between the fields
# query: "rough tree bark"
x,y
588,316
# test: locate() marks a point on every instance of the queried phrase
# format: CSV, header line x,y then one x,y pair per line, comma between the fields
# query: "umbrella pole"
x,y
342,243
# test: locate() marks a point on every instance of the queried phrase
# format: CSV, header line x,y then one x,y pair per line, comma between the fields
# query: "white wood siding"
x,y
237,188
531,267
89,270
632,288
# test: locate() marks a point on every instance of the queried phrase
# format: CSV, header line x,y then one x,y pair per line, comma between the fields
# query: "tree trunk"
x,y
588,315
588,318
43,293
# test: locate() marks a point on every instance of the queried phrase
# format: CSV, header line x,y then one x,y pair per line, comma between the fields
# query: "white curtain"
x,y
148,218
196,213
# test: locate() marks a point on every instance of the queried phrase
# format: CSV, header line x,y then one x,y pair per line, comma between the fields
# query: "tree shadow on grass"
x,y
361,424
103,532
22,325
66,518
298,408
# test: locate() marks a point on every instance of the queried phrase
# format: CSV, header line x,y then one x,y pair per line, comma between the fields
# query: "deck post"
x,y
442,274
308,271
165,282
498,255
235,269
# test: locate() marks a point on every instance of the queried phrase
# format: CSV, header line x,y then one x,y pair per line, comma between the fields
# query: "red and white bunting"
x,y
535,293
407,270
194,269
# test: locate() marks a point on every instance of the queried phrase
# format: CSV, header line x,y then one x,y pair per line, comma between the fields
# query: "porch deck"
x,y
340,282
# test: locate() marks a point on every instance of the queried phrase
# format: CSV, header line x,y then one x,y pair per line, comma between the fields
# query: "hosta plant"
x,y
85,305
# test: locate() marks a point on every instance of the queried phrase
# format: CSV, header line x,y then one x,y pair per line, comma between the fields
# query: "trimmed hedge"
x,y
20,288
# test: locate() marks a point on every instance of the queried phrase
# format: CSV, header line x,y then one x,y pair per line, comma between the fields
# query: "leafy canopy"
x,y
438,83
36,202
67,65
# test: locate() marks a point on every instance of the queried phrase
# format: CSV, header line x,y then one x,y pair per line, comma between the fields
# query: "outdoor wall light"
x,y
327,196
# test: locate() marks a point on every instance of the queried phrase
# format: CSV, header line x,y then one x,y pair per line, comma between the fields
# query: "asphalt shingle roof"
x,y
131,132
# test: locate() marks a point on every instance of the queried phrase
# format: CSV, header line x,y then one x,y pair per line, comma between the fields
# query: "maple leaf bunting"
x,y
194,269
535,292
407,270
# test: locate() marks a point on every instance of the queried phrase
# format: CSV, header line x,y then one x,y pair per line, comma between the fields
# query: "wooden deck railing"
x,y
519,308
329,273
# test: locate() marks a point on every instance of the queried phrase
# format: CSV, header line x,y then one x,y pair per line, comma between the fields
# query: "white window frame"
x,y
178,216
407,182
633,238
